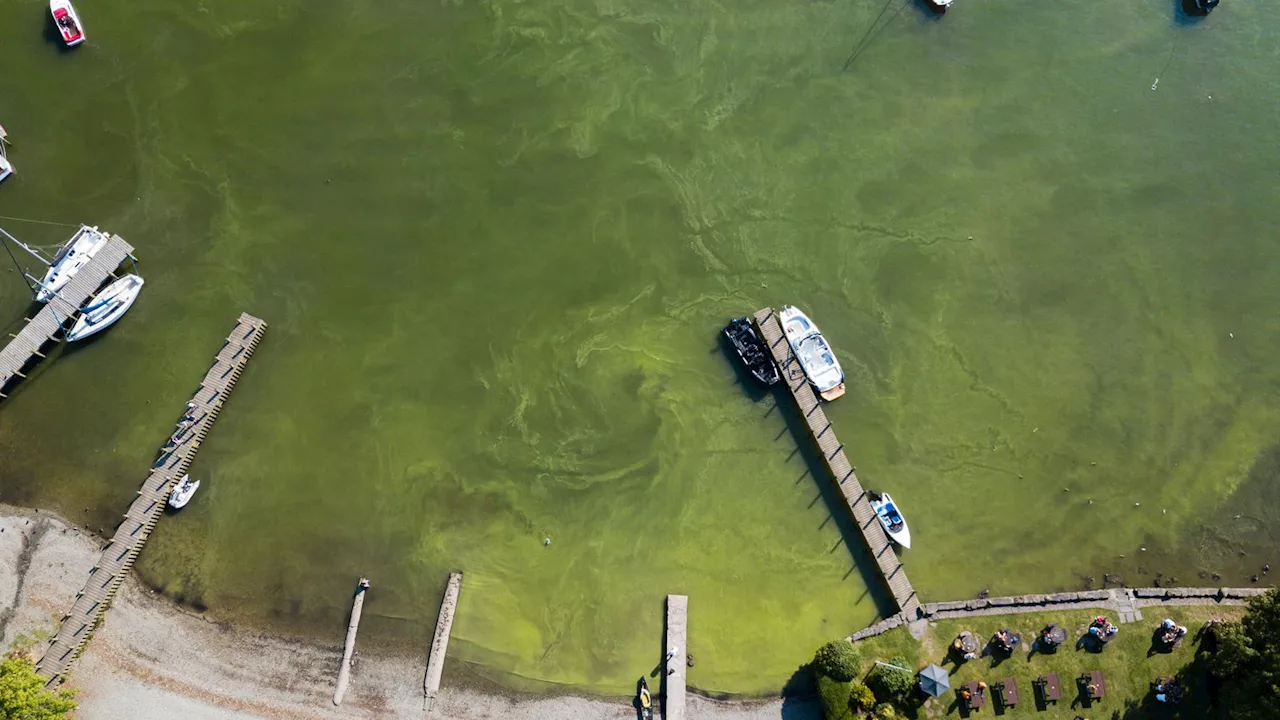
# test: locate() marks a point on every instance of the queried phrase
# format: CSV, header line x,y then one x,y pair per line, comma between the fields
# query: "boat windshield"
x,y
814,352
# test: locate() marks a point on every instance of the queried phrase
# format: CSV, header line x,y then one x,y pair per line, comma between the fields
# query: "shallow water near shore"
x,y
495,251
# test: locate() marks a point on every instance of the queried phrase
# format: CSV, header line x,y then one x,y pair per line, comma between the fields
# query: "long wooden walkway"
x,y
175,457
895,575
53,317
677,656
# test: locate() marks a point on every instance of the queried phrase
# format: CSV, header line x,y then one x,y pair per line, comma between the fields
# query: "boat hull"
x,y
815,356
67,22
181,494
895,526
106,307
742,337
77,253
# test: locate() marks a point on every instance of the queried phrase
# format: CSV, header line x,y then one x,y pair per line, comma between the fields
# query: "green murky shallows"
x,y
495,242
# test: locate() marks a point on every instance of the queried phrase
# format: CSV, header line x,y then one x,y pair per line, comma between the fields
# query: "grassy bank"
x,y
1128,664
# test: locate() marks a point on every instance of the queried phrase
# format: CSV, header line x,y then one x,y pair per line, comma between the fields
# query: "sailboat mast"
x,y
24,246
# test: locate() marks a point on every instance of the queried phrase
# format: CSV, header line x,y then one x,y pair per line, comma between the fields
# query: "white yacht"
x,y
182,493
815,356
106,307
77,253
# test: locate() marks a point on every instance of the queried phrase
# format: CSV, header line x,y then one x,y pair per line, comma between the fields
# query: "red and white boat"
x,y
67,21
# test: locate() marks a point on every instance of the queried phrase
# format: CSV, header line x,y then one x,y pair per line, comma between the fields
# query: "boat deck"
x,y
55,316
678,665
833,456
118,556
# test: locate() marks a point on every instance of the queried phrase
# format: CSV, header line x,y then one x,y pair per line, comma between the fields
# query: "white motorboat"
x,y
181,494
894,524
67,21
815,356
106,307
6,169
77,253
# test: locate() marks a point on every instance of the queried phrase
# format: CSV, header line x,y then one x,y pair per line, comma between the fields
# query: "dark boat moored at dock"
x,y
1204,7
746,343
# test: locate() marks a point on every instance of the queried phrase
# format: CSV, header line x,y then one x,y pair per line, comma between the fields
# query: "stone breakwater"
x,y
1113,600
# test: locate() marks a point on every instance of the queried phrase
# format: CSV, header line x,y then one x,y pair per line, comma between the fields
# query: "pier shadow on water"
x,y
838,511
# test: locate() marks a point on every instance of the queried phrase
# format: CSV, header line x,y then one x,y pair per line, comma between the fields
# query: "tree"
x,y
838,660
22,693
861,698
885,711
892,684
1247,660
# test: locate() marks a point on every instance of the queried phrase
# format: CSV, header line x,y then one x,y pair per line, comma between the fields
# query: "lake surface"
x,y
495,242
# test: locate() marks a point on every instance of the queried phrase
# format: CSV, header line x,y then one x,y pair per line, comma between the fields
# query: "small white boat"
x,y
181,494
77,253
941,5
815,356
106,307
6,169
894,524
67,21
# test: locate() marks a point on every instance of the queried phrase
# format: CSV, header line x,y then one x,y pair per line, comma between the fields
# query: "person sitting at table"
x,y
966,696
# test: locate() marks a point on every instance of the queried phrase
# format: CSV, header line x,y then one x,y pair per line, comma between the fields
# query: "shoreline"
x,y
152,658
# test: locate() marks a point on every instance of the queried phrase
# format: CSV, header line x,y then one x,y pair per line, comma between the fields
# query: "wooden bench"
x,y
1095,685
1050,687
1007,692
977,695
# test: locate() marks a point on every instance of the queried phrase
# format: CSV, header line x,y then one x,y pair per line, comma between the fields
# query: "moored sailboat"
x,y
77,253
106,307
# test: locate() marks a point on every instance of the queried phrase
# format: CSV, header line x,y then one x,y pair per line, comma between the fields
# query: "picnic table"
x,y
1050,687
1007,692
966,642
977,694
1095,685
1054,635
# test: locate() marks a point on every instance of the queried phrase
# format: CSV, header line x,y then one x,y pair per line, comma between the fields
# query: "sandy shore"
x,y
151,659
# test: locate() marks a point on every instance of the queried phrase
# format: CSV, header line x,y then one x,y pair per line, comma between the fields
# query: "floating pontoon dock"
x,y
440,644
117,558
677,663
824,435
55,315
349,649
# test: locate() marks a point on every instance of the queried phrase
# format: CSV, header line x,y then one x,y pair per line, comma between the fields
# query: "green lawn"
x,y
1125,663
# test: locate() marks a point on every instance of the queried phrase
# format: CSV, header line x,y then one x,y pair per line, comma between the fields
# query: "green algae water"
x,y
495,242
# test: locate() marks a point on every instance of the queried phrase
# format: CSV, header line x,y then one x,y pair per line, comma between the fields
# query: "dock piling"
x,y
348,652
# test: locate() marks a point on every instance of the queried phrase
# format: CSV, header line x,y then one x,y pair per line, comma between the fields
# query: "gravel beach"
x,y
152,659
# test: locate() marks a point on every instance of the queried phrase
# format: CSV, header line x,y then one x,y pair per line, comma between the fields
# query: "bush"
x,y
835,698
861,698
893,685
885,711
22,693
839,660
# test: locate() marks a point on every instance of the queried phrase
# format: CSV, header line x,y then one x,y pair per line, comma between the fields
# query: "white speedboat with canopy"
x,y
815,356
106,307
77,253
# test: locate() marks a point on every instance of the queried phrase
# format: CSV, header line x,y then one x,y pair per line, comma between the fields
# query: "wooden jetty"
x,y
118,556
838,464
56,314
349,650
440,644
677,656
